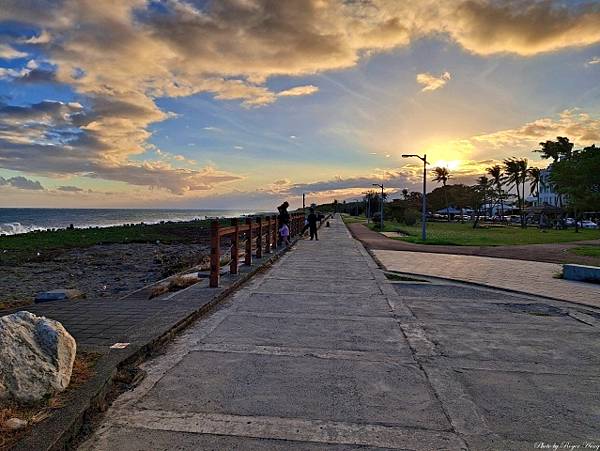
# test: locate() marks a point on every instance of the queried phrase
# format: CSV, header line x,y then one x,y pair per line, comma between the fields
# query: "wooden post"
x,y
275,232
248,255
235,247
293,225
215,254
268,236
259,240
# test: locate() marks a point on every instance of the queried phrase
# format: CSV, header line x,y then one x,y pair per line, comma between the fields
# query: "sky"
x,y
246,103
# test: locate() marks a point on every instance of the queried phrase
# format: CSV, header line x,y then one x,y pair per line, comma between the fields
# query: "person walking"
x,y
312,224
284,232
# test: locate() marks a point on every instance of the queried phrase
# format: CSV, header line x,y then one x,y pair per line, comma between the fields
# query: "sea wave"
x,y
15,228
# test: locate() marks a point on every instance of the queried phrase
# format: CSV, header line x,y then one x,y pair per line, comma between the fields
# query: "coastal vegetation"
x,y
41,246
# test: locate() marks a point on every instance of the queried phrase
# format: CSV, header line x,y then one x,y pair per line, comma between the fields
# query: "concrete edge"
x,y
464,282
62,429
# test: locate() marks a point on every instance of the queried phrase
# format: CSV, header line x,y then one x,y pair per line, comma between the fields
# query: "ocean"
x,y
24,220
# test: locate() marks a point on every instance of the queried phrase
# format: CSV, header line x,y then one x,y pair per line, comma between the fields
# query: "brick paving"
x,y
536,278
97,323
551,253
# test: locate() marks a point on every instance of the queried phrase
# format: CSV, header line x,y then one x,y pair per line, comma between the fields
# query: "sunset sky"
x,y
245,103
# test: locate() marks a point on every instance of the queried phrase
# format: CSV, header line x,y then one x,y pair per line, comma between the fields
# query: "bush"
x,y
410,217
376,218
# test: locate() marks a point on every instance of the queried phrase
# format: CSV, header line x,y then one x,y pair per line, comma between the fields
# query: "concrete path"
x,y
535,278
322,352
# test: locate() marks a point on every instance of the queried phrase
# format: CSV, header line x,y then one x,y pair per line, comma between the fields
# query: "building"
x,y
547,194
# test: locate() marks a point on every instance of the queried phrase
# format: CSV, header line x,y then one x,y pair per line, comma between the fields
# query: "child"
x,y
284,231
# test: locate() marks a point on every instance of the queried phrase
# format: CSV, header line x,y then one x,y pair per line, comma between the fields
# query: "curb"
x,y
62,429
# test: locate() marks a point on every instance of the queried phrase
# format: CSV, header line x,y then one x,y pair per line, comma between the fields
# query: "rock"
x,y
14,424
36,359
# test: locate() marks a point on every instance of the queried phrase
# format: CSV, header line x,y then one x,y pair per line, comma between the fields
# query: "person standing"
x,y
312,224
283,218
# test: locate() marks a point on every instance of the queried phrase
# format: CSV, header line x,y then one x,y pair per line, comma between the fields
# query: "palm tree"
x,y
442,175
562,148
516,174
496,173
534,175
483,184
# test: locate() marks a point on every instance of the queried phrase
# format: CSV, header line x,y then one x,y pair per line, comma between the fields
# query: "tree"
x,y
562,148
442,175
404,194
497,178
578,179
515,170
534,176
483,185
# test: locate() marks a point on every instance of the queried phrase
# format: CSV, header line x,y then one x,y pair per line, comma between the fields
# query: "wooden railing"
x,y
262,230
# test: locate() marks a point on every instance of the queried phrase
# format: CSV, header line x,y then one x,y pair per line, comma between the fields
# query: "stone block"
x,y
58,295
37,357
581,272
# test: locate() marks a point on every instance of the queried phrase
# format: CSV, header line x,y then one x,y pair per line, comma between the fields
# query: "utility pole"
x,y
303,202
424,200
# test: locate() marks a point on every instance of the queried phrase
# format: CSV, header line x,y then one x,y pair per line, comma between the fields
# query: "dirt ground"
x,y
98,271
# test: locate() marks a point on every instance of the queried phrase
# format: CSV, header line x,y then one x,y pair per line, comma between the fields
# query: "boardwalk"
x,y
322,352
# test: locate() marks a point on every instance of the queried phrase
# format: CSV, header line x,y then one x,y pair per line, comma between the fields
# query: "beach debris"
x,y
36,359
119,346
14,424
61,294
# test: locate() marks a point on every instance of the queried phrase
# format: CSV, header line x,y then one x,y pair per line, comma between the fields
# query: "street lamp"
x,y
424,200
381,203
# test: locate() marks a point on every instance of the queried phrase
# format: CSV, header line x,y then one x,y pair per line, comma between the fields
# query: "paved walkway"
x,y
551,253
535,278
322,352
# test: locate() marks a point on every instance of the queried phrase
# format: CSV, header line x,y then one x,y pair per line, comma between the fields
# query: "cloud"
x,y
7,52
579,126
119,57
593,61
431,82
298,91
20,182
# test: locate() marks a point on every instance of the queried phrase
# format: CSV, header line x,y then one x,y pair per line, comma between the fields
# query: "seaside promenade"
x,y
322,351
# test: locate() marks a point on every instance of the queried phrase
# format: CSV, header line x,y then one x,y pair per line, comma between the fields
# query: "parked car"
x,y
588,224
569,222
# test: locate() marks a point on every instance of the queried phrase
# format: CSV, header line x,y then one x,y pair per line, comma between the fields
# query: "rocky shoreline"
x,y
105,270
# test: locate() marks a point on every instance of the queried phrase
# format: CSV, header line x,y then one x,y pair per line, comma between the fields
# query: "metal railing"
x,y
262,230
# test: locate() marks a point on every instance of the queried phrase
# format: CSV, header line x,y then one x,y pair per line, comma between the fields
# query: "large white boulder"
x,y
36,357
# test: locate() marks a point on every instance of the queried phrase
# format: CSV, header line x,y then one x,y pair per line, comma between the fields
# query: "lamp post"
x,y
424,200
381,204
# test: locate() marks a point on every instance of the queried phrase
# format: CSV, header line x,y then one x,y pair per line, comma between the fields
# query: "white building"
x,y
547,194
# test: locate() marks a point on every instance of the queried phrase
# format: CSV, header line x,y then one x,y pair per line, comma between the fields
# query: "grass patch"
x,y
349,219
457,234
587,251
83,370
15,303
400,278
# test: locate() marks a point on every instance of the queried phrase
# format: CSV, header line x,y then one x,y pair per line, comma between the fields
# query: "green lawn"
x,y
348,219
588,251
457,234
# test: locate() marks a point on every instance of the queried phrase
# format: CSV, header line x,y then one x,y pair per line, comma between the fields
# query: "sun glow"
x,y
450,164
